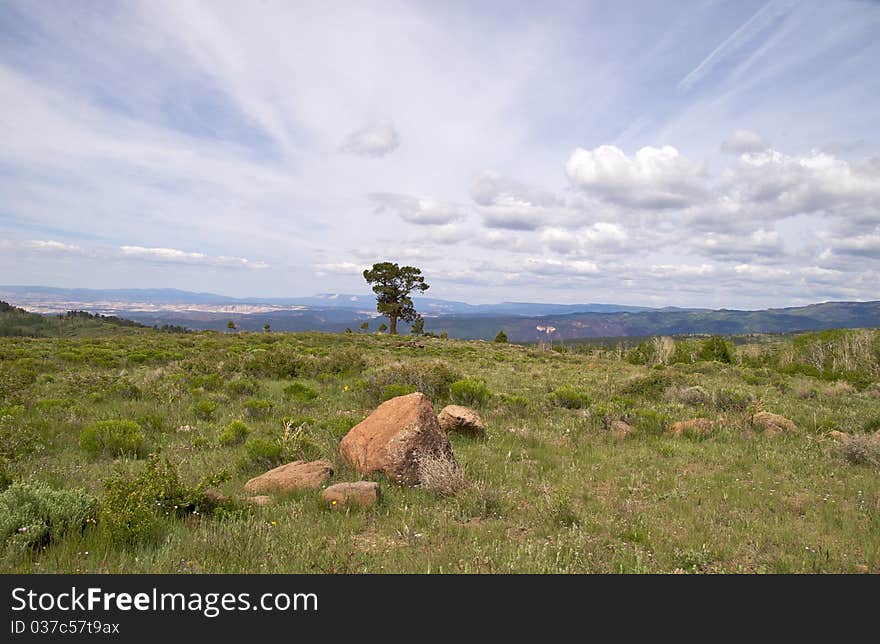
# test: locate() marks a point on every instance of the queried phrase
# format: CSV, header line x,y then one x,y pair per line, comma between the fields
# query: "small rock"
x,y
695,426
364,493
184,429
293,476
620,429
455,418
257,500
216,497
838,437
862,569
773,424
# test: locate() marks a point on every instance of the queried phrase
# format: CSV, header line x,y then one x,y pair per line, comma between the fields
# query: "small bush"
x,y
134,509
300,392
514,402
732,400
33,514
233,434
395,390
242,387
717,349
871,425
204,409
860,449
433,378
570,398
154,423
265,451
113,437
258,408
650,386
470,391
501,337
694,396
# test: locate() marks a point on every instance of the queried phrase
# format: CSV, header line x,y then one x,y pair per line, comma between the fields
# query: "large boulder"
x,y
293,476
392,438
773,424
455,418
364,493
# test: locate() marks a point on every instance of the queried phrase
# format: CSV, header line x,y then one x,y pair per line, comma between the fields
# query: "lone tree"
x,y
392,285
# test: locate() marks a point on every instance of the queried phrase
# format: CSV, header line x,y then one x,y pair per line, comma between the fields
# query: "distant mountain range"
x,y
521,321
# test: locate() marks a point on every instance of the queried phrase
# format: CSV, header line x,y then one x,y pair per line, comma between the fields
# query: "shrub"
x,y
204,409
860,449
258,408
242,387
569,398
395,390
340,361
732,400
515,402
651,385
265,451
300,392
501,337
134,508
433,378
716,349
234,433
694,396
33,514
470,391
152,422
871,425
114,437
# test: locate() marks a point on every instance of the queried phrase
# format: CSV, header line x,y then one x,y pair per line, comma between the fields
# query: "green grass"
x,y
550,490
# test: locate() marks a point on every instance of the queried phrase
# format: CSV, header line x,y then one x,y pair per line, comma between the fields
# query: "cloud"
x,y
654,178
513,205
742,141
41,246
599,237
375,141
174,256
863,246
422,211
545,266
341,268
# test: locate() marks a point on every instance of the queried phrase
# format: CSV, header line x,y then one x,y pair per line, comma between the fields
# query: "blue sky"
x,y
708,153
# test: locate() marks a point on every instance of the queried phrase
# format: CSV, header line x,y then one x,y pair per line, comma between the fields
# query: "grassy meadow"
x,y
108,442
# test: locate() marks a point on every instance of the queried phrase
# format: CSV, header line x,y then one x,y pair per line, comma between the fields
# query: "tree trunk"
x,y
393,319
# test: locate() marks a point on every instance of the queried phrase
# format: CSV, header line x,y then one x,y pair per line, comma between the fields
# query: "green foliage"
x,y
234,433
433,378
717,349
204,409
651,385
135,508
113,437
382,328
570,398
32,514
418,326
258,407
394,390
152,423
501,337
300,392
470,391
392,285
871,424
265,451
242,387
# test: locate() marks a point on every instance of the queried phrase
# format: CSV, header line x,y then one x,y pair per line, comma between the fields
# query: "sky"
x,y
704,153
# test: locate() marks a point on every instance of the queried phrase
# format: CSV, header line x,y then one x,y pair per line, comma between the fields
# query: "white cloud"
x,y
175,256
375,141
743,141
422,211
41,246
654,178
545,266
341,268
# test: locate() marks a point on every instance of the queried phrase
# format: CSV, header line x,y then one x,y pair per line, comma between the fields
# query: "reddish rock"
x,y
620,429
364,493
773,424
293,476
455,418
393,436
693,427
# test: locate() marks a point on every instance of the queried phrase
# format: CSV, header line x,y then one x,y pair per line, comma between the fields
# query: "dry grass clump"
x,y
694,396
440,473
859,449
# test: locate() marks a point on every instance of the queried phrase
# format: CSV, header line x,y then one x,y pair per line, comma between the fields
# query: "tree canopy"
x,y
392,285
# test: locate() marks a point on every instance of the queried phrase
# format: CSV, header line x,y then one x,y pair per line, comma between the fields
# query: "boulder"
x,y
620,429
455,418
257,500
293,476
392,438
364,493
695,426
215,496
773,424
